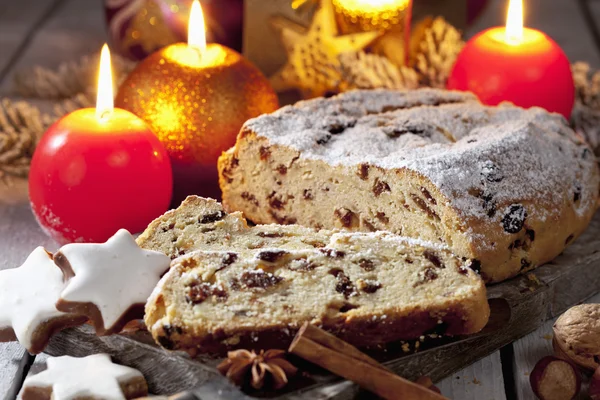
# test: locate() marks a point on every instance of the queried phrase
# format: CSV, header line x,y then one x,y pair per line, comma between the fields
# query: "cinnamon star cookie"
x,y
27,302
92,377
109,282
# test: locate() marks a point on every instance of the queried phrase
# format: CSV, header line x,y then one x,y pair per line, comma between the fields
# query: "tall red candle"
x,y
516,64
97,170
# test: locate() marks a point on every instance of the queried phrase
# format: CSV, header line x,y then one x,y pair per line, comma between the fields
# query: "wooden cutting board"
x,y
519,306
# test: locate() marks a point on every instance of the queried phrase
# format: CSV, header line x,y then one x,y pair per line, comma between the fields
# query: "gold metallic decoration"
x,y
391,16
368,15
312,55
196,102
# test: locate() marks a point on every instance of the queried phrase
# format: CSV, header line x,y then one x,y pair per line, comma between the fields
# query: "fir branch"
x,y
585,117
81,100
68,79
21,126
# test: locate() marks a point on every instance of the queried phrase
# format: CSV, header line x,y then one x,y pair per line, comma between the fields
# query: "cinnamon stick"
x,y
347,361
334,343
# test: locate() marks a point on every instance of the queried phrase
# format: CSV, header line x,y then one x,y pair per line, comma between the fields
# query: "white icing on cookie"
x,y
114,275
28,295
93,376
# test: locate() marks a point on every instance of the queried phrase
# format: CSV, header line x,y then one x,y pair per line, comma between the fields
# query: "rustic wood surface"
x,y
47,32
528,351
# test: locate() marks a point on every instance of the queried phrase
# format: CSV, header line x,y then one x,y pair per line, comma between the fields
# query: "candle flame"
x,y
514,22
104,99
196,29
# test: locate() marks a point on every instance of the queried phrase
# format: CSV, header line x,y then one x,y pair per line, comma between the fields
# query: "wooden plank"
x,y
13,362
529,350
39,364
560,19
19,19
76,29
482,380
19,231
20,234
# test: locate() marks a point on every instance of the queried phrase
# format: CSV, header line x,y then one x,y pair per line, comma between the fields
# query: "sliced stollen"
x,y
253,287
505,186
202,224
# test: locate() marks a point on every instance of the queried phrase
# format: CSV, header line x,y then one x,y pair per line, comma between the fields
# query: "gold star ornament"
x,y
312,65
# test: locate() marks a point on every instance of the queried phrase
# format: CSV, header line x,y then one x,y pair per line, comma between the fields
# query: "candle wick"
x,y
198,51
104,114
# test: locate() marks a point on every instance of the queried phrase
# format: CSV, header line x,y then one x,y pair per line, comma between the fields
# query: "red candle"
x,y
97,170
516,64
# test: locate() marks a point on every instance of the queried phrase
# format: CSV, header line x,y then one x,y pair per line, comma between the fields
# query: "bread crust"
x,y
508,224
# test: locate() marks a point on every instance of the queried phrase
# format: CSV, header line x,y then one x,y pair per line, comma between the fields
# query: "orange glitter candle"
x,y
196,97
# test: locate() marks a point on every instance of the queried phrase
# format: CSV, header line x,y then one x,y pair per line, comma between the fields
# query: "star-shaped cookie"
x,y
88,377
28,295
312,63
109,282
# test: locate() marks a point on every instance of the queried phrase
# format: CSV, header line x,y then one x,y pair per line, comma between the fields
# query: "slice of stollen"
x,y
202,224
367,288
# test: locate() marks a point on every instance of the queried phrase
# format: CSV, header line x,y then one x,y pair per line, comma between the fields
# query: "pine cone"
x,y
435,45
369,71
586,122
68,79
585,117
587,85
21,126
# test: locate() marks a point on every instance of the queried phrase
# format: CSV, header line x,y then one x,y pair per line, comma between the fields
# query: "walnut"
x,y
577,335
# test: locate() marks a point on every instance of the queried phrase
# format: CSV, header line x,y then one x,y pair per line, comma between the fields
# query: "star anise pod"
x,y
241,363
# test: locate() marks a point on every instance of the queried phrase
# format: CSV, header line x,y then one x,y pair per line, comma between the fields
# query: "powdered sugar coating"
x,y
506,153
383,236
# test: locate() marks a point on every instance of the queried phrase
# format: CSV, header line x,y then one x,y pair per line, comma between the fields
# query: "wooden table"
x,y
46,32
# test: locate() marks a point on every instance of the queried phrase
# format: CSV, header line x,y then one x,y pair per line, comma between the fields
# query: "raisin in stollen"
x,y
430,164
360,286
